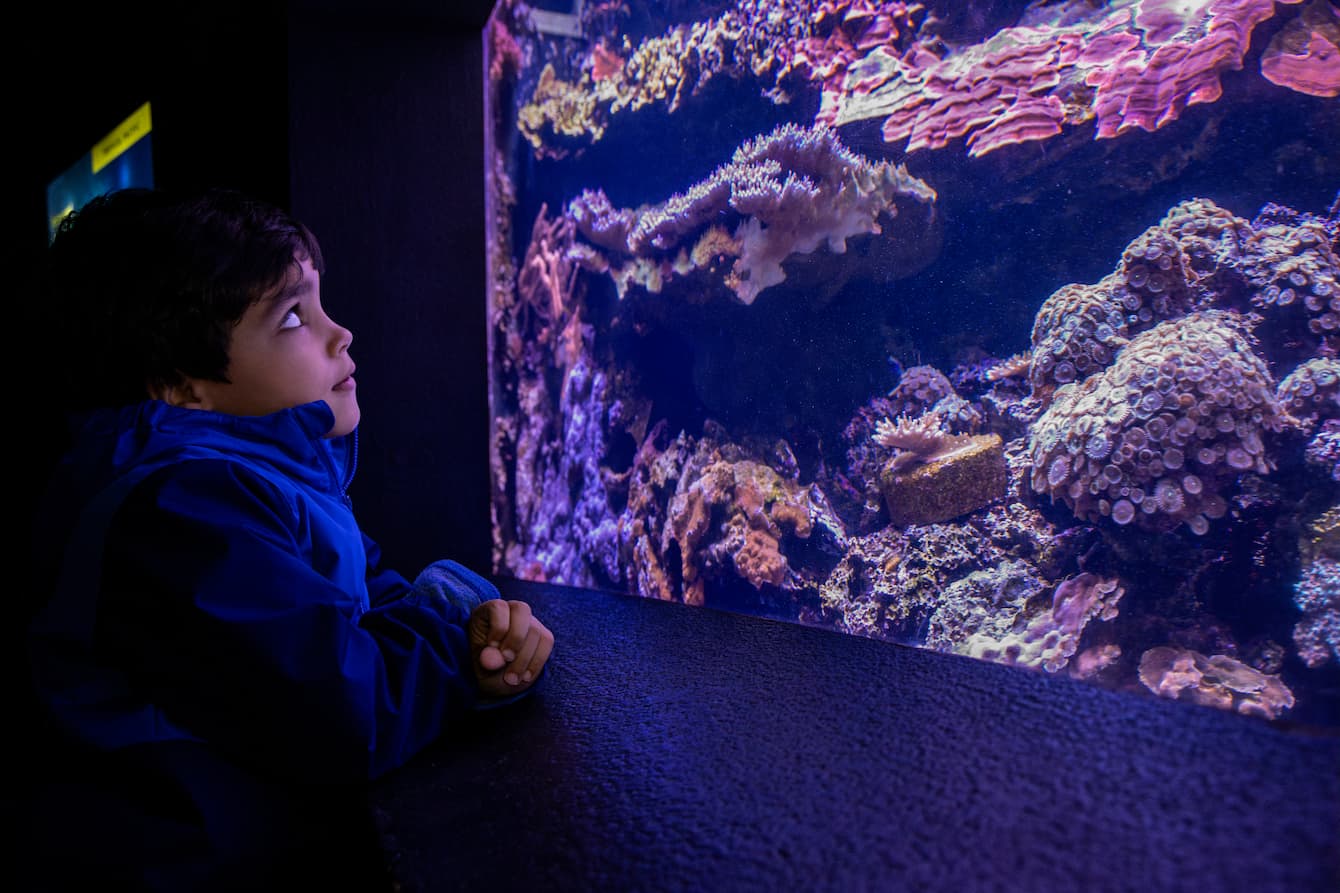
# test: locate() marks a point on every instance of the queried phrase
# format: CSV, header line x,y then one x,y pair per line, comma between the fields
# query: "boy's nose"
x,y
342,337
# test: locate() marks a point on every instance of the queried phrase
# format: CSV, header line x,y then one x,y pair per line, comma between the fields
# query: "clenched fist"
x,y
508,646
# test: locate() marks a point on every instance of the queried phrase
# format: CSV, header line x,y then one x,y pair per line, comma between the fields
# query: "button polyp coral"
x,y
1155,439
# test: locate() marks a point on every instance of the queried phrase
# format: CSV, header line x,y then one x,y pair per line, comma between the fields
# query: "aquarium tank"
x,y
1001,329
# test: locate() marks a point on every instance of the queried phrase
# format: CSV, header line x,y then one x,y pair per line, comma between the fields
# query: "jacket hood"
x,y
112,442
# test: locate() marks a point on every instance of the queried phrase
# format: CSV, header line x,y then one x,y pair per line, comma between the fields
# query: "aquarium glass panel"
x,y
1001,329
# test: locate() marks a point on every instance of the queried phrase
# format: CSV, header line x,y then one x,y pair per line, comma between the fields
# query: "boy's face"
x,y
285,351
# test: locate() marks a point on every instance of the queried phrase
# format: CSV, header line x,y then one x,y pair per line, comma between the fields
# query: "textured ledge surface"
x,y
679,748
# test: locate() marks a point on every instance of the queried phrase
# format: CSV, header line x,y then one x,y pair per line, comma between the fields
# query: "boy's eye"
x,y
291,320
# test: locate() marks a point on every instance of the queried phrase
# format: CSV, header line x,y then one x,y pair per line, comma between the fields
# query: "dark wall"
x,y
215,75
386,154
215,79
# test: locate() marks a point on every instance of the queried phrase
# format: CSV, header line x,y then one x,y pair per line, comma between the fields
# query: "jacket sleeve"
x,y
445,579
212,605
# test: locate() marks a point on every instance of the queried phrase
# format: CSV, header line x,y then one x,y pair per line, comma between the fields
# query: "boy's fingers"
x,y
544,645
518,629
521,664
490,624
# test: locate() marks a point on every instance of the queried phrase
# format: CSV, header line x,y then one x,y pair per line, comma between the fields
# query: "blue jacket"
x,y
214,587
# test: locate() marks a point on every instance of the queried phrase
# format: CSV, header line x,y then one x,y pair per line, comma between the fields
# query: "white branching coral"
x,y
919,440
783,194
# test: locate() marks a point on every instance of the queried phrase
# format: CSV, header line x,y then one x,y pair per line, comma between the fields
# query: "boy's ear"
x,y
183,394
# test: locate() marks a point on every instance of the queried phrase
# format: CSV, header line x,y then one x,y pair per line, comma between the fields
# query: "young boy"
x,y
222,657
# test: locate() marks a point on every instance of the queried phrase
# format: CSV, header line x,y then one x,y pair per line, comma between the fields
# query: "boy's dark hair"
x,y
147,286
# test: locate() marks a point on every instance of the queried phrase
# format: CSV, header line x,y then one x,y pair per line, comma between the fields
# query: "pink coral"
x,y
734,514
1214,681
844,31
1185,48
988,94
1127,64
1305,54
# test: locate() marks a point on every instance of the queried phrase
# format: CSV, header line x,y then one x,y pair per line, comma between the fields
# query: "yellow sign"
x,y
122,138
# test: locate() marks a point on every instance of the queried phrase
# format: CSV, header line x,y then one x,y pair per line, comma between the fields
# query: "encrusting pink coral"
x,y
1126,64
1305,54
1213,681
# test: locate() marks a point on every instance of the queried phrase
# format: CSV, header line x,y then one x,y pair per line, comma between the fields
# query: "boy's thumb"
x,y
491,659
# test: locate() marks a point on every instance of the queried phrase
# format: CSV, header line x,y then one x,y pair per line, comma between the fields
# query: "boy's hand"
x,y
508,645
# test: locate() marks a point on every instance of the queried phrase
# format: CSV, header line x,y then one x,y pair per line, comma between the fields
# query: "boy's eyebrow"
x,y
289,290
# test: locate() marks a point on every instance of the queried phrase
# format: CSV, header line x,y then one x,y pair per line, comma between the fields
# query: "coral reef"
x,y
563,109
1317,595
1156,403
701,513
1311,393
776,43
550,514
1076,333
889,583
756,508
1001,628
857,595
1289,262
900,583
662,428
1127,64
1173,267
918,390
1324,449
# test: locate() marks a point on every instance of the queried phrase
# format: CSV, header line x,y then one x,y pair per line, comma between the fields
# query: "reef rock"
x,y
952,484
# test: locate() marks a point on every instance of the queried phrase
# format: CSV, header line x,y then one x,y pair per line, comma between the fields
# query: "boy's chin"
x,y
345,423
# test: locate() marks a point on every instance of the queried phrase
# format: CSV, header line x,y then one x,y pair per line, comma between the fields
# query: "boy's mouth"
x,y
346,384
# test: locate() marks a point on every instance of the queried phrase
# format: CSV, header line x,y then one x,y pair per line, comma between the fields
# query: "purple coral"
x,y
1156,438
1169,270
1289,262
920,388
1324,449
1312,391
1076,333
1317,595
